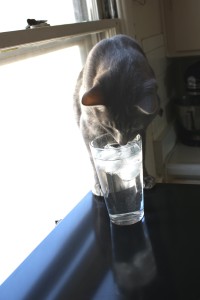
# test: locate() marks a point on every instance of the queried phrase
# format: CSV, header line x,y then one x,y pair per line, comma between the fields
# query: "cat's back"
x,y
107,54
117,43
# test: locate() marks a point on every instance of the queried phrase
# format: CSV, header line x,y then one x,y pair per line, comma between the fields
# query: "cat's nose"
x,y
121,138
123,141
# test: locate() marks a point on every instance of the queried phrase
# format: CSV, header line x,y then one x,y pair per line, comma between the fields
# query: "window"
x,y
41,147
14,14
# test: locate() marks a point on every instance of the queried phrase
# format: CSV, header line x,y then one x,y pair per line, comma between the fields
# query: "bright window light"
x,y
14,14
44,166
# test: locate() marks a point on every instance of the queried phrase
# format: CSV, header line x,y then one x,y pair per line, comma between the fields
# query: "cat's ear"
x,y
148,105
93,97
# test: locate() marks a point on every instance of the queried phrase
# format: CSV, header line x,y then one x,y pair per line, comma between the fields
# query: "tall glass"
x,y
120,173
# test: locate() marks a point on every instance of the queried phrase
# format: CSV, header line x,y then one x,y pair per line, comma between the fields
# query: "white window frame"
x,y
15,39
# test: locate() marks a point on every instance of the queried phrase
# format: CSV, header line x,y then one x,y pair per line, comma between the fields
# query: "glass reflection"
x,y
134,264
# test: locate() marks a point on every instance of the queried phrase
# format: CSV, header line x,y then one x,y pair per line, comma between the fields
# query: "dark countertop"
x,y
87,258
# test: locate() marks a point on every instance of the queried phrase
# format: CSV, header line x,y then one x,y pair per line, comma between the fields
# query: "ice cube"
x,y
108,162
130,171
114,145
108,154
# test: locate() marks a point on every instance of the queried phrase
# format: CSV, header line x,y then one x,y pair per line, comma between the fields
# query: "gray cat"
x,y
116,92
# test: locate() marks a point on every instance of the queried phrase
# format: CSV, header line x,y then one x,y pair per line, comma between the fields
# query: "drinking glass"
x,y
120,173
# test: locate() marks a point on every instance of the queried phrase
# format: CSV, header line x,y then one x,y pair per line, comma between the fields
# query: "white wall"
x,y
141,19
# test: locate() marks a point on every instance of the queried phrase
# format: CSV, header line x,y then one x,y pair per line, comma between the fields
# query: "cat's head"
x,y
124,103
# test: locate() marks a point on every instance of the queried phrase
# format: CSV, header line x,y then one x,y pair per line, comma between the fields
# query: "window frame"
x,y
15,39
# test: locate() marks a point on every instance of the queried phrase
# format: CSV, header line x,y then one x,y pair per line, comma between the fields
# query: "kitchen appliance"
x,y
188,108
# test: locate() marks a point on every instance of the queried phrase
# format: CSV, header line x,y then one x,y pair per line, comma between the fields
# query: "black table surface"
x,y
86,257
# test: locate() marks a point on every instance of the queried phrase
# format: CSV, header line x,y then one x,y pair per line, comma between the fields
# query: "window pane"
x,y
14,14
44,166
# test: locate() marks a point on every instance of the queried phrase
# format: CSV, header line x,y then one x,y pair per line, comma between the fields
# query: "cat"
x,y
116,93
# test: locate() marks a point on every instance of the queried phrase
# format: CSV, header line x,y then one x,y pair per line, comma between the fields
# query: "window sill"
x,y
16,38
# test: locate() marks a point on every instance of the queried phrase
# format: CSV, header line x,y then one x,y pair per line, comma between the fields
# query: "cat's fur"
x,y
116,92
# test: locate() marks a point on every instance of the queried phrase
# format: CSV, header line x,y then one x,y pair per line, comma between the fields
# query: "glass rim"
x,y
126,146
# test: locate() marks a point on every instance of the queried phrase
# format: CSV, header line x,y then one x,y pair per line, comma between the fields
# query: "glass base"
x,y
127,218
